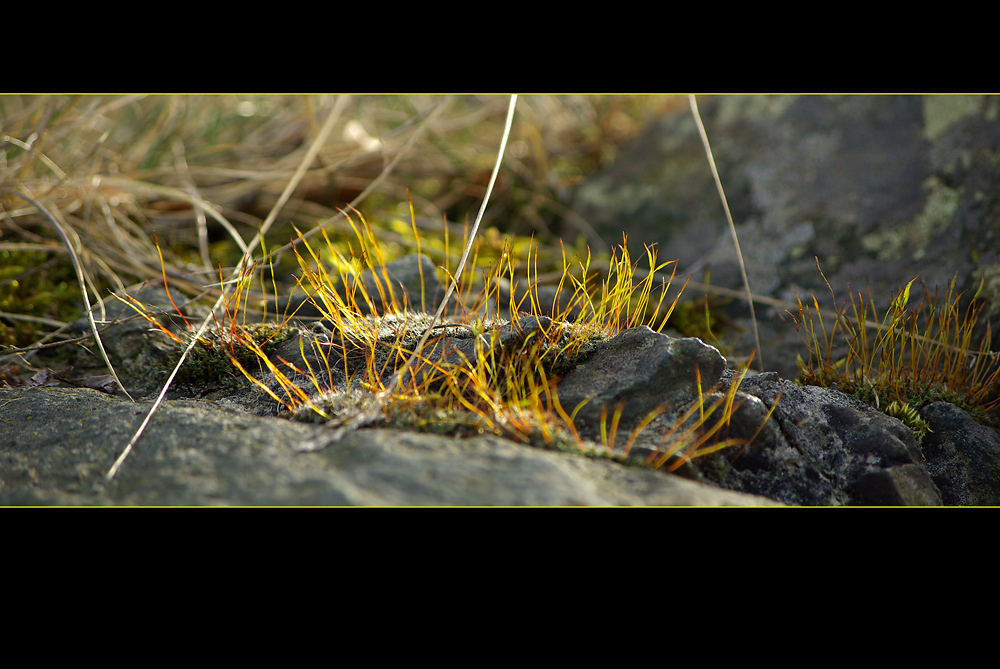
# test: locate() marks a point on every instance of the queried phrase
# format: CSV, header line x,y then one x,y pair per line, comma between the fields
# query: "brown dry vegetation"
x,y
199,174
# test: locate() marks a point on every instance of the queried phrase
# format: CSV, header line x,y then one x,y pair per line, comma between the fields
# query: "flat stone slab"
x,y
56,445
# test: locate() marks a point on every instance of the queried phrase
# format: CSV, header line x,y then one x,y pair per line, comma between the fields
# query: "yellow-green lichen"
x,y
943,111
893,243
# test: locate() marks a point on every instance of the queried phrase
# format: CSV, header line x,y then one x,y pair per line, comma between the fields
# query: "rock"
x,y
879,188
642,371
963,457
906,485
820,447
56,444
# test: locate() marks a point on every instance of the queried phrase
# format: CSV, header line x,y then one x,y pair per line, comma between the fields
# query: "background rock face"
x,y
879,188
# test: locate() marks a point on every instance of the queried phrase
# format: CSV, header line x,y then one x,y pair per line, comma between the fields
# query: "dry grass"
x,y
201,173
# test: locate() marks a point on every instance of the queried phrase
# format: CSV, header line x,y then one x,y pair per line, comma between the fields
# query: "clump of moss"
x,y
478,372
910,417
492,366
219,355
908,357
211,358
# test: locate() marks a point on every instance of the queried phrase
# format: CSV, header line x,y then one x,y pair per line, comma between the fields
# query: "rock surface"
x,y
821,447
963,457
642,370
56,444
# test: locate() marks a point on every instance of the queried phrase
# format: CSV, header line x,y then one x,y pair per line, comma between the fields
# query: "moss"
x,y
505,387
910,418
912,356
33,284
209,362
943,111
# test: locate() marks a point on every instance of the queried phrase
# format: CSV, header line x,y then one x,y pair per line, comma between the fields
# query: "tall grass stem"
x,y
732,226
78,266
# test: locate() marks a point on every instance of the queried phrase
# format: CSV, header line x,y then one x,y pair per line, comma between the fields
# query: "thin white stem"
x,y
732,226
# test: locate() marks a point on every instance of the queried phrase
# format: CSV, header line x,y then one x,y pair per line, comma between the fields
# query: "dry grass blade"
x,y
310,156
80,278
197,202
732,226
383,175
202,222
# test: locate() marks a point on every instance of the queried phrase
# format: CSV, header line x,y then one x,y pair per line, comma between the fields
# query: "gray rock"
x,y
963,457
820,447
56,444
640,370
